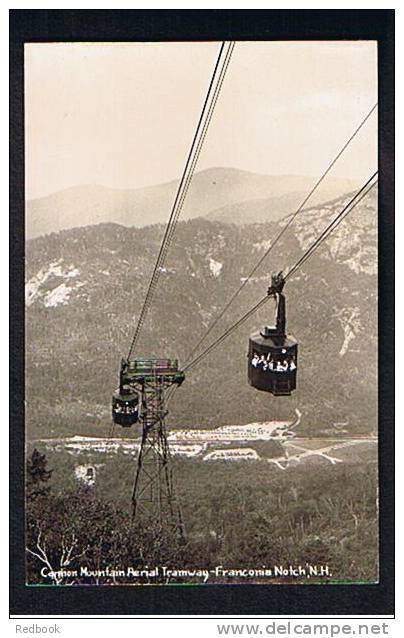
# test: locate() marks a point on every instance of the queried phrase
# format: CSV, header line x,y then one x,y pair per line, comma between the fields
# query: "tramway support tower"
x,y
153,493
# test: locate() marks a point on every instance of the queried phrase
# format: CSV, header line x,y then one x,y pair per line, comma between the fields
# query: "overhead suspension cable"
x,y
201,141
212,95
371,182
279,236
191,170
354,201
226,333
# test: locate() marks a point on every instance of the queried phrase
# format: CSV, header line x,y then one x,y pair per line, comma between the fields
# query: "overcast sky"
x,y
123,115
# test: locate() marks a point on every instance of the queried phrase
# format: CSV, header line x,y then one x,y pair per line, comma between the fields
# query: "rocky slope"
x,y
85,288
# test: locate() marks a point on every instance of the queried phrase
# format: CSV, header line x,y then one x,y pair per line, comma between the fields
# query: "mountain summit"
x,y
221,194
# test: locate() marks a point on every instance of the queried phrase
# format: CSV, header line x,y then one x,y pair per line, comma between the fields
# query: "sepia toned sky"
x,y
123,115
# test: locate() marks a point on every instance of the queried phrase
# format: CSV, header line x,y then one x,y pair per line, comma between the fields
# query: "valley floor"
x,y
273,441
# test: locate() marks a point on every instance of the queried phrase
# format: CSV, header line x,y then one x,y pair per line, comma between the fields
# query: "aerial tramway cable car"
x,y
137,372
125,407
125,403
272,354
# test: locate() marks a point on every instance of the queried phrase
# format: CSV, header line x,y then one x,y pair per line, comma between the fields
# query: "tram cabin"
x,y
272,362
125,407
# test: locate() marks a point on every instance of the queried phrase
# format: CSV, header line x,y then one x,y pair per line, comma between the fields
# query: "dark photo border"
x,y
164,25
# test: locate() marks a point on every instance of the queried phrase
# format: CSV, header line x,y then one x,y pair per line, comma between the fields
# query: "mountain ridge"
x,y
211,190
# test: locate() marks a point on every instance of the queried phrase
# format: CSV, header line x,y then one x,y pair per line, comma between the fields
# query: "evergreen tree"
x,y
37,476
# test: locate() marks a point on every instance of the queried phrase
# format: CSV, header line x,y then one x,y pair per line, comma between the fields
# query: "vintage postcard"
x,y
201,312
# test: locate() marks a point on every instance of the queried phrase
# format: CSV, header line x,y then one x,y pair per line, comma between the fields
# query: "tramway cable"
x,y
193,155
361,193
371,182
279,236
161,253
171,231
199,146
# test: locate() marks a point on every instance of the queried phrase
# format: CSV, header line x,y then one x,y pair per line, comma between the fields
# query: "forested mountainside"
x,y
85,288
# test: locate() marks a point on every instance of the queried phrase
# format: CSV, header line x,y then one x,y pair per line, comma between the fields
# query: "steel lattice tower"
x,y
153,495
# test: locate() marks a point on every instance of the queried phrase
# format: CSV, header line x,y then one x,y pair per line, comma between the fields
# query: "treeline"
x,y
240,517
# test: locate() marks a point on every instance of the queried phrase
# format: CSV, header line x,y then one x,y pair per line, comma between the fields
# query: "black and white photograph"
x,y
201,354
202,313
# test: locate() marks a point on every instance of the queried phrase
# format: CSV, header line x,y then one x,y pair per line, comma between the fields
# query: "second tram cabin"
x,y
125,407
272,354
133,375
